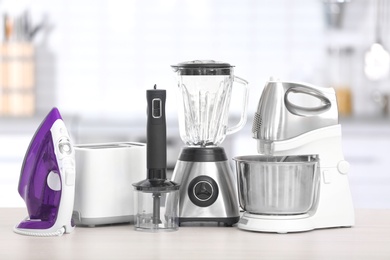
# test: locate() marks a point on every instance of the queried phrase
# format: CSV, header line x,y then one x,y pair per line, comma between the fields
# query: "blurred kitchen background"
x,y
94,59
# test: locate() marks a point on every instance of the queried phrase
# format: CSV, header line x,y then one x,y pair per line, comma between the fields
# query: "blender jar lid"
x,y
203,67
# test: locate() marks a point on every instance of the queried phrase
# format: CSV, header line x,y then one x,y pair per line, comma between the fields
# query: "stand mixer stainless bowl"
x,y
277,185
299,181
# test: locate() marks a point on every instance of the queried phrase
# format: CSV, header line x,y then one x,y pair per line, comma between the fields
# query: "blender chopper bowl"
x,y
277,185
156,204
205,89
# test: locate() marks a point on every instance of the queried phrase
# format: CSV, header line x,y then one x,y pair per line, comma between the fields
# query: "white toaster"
x,y
104,176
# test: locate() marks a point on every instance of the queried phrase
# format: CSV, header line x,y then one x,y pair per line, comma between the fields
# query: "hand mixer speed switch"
x,y
327,176
156,108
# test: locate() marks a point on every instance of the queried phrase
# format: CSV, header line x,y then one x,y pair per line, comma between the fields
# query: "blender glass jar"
x,y
205,89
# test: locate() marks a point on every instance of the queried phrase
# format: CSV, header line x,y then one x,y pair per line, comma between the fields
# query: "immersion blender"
x,y
152,194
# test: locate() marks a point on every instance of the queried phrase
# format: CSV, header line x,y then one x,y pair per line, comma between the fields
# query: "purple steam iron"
x,y
47,180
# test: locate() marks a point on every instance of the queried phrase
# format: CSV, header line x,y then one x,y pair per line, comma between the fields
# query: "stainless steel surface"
x,y
284,111
277,185
226,204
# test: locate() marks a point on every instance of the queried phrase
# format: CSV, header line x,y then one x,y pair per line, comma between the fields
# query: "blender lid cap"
x,y
203,67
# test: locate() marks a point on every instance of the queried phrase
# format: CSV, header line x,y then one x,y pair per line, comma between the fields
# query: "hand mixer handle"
x,y
241,123
156,134
311,91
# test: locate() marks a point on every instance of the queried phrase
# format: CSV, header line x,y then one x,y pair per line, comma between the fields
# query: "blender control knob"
x,y
203,191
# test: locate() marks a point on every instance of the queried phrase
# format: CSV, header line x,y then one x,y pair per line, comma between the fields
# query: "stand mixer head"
x,y
279,118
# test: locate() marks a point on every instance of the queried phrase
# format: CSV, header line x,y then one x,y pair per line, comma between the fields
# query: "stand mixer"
x,y
304,143
208,187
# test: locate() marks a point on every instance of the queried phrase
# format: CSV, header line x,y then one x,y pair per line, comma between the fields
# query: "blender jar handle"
x,y
241,123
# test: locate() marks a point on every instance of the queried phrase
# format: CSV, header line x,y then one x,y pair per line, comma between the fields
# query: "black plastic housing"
x,y
156,134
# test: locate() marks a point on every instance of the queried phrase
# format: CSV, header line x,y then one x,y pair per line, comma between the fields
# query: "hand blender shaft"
x,y
156,143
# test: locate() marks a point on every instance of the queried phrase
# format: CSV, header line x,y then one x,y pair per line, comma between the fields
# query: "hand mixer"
x,y
295,135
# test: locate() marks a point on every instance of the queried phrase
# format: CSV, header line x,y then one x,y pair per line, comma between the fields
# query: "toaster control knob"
x,y
203,191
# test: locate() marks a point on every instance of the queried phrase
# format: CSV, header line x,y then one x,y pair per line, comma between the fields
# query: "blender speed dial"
x,y
203,191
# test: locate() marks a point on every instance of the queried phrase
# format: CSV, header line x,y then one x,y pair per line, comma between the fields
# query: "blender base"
x,y
207,186
228,222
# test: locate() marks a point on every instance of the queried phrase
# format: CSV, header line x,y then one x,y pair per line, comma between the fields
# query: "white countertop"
x,y
368,239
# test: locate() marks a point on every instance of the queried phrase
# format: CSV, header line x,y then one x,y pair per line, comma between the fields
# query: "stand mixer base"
x,y
276,224
285,224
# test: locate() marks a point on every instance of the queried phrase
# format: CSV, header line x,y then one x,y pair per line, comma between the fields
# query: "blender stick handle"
x,y
241,123
156,134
